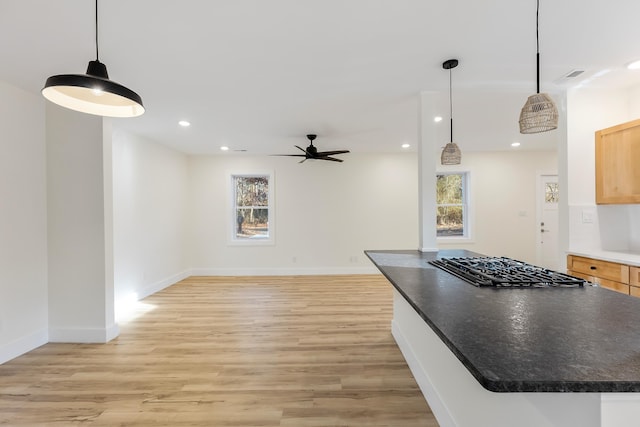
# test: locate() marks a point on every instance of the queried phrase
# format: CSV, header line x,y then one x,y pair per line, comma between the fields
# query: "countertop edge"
x,y
611,256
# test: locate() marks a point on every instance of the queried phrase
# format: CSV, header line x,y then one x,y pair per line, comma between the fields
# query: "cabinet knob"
x,y
593,267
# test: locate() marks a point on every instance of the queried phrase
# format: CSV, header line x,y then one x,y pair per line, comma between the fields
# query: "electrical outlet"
x,y
587,217
294,259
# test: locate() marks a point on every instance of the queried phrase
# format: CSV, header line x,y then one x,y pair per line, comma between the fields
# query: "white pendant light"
x,y
539,113
93,92
451,154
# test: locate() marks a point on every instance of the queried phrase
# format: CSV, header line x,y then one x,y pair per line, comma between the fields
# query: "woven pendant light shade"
x,y
451,154
539,114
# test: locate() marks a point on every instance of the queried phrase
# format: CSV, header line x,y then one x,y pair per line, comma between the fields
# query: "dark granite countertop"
x,y
524,340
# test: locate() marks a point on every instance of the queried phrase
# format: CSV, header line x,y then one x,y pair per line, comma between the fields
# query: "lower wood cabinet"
x,y
610,275
634,281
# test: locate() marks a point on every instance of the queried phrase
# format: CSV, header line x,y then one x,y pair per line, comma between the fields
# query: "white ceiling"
x,y
258,75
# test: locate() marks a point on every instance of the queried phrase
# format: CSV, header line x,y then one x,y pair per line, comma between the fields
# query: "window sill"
x,y
455,240
251,242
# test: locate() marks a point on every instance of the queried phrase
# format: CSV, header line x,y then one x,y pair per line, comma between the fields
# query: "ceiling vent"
x,y
573,73
567,78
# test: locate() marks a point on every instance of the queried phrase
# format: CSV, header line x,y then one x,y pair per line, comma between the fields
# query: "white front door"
x,y
547,225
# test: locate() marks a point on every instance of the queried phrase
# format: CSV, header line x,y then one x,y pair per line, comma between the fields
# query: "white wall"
x,y
326,213
151,191
608,228
503,201
23,223
80,267
170,214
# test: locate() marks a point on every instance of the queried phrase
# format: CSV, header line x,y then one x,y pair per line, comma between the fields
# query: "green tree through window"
x,y
451,205
251,207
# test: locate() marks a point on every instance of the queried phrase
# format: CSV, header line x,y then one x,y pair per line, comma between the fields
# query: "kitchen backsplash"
x,y
597,228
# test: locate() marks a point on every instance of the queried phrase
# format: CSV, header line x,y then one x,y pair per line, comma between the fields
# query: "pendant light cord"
x,y
97,56
537,48
450,108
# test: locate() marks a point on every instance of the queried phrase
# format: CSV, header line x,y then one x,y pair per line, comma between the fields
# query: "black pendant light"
x,y
539,113
451,154
93,92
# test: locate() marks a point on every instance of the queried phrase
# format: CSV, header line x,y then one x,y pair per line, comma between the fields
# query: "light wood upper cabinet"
x,y
618,164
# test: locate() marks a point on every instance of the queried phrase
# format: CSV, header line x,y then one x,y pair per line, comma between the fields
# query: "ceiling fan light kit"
x,y
451,154
93,92
539,113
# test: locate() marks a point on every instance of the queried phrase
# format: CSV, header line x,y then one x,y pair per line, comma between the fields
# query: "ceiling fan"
x,y
311,152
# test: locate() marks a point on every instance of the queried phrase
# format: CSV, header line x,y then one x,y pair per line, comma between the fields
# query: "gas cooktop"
x,y
504,272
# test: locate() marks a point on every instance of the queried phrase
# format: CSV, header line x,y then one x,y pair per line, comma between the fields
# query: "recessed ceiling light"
x,y
515,144
184,123
224,148
437,119
405,145
635,65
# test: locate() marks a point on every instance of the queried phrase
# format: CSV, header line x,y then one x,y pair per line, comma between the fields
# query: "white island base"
x,y
457,398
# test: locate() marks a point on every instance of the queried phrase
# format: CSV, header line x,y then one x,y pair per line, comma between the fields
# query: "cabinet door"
x,y
634,281
634,276
605,283
614,286
581,276
617,159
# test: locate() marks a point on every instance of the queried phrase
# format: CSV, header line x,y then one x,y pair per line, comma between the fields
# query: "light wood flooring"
x,y
230,351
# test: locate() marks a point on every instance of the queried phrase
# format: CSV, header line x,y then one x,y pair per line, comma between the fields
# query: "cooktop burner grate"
x,y
504,272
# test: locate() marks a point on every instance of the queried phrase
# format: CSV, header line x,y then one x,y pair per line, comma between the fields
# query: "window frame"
x,y
232,224
467,210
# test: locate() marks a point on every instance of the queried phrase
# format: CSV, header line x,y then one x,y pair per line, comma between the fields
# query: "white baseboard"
x,y
429,249
283,271
23,345
162,284
84,335
103,335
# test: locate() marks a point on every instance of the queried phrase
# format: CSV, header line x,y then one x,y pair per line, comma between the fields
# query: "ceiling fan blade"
x,y
311,152
290,155
333,159
331,153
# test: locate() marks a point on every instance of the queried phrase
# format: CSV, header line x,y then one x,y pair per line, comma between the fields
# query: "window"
x,y
451,204
551,192
252,213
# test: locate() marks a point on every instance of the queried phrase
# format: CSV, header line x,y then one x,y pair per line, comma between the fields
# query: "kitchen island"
x,y
525,356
